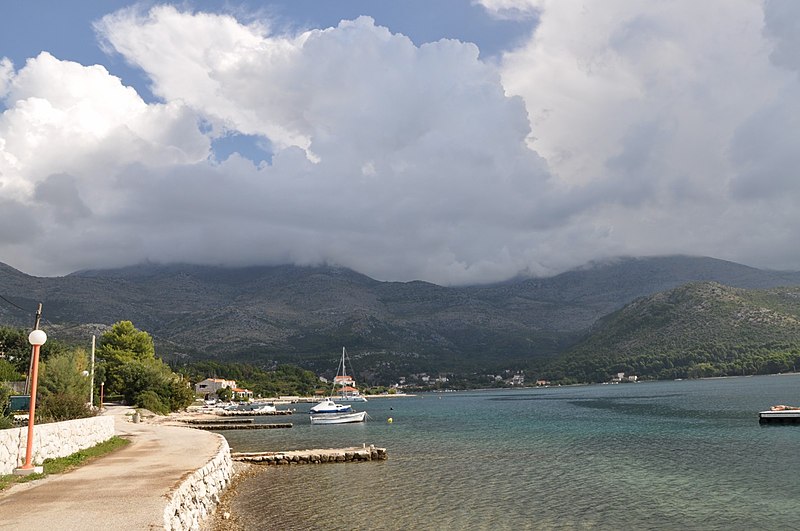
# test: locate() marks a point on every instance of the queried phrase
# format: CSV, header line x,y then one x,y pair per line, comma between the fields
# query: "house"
x,y
517,379
242,394
210,386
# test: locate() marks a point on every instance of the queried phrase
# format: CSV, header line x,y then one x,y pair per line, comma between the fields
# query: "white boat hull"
x,y
338,418
350,399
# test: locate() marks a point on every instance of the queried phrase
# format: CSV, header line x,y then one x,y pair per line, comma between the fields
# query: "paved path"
x,y
126,490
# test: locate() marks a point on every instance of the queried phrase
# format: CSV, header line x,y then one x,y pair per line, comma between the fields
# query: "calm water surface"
x,y
662,455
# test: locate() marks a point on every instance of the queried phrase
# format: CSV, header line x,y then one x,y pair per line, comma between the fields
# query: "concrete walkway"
x,y
127,489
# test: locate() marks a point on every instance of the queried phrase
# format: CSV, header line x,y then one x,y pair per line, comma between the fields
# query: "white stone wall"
x,y
56,439
197,497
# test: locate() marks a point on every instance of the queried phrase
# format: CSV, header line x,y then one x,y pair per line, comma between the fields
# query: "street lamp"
x,y
37,339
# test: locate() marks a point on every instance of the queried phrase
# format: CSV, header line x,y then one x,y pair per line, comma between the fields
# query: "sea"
x,y
653,455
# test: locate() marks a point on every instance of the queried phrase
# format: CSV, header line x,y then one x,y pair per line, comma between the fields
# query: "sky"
x,y
456,141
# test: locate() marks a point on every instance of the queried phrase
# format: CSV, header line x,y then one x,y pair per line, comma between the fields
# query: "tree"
x,y
8,373
63,388
130,367
5,418
63,374
225,394
152,385
15,348
122,344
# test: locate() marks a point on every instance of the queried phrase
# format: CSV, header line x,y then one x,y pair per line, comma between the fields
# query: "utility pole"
x,y
91,376
30,367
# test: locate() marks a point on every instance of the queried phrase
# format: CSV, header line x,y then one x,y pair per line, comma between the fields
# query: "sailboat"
x,y
330,412
347,392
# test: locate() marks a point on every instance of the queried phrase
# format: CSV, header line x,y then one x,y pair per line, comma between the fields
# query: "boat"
x,y
338,418
255,407
780,415
329,412
347,391
328,406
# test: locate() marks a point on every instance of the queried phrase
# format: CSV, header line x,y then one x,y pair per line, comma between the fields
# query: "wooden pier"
x,y
318,456
239,426
224,413
218,421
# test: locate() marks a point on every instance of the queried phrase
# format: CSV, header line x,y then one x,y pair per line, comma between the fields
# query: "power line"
x,y
17,306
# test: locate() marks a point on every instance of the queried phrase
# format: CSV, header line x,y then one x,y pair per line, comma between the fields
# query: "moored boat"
x,y
780,415
328,406
344,385
329,412
338,418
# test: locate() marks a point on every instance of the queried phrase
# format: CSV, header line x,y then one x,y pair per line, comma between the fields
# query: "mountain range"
x,y
304,315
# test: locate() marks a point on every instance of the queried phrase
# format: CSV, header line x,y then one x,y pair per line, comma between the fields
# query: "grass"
x,y
62,465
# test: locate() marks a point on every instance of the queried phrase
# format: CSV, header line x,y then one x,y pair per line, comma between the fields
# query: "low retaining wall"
x,y
327,455
56,439
197,497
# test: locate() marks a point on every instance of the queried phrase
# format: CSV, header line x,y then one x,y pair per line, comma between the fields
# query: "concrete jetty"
x,y
239,426
780,415
218,421
317,456
225,413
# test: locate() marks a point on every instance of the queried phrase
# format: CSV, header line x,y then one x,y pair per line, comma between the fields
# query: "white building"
x,y
210,386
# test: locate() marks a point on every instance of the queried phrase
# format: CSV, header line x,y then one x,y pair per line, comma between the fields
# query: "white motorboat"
x,y
328,406
338,418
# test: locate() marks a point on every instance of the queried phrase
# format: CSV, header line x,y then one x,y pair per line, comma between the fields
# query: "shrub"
x,y
5,419
56,407
151,401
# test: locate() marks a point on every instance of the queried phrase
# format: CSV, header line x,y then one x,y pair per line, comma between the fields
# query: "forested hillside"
x,y
696,330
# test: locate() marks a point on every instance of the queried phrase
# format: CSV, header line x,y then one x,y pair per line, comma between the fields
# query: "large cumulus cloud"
x,y
617,128
679,117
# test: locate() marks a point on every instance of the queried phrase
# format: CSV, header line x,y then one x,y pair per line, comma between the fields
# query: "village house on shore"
x,y
209,387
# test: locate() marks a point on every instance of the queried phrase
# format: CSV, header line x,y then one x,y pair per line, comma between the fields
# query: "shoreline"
x,y
224,517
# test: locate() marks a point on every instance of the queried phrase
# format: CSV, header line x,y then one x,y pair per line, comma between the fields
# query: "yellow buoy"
x,y
389,420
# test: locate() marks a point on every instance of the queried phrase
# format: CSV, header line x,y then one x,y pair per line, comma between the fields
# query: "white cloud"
x,y
396,160
673,115
619,128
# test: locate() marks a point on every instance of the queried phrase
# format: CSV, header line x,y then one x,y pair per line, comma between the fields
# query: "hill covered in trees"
x,y
695,330
269,316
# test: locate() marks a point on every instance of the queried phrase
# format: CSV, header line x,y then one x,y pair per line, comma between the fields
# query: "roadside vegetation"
x,y
63,465
125,361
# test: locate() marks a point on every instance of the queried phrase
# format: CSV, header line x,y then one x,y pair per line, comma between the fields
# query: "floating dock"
x,y
239,426
218,421
318,456
224,413
779,416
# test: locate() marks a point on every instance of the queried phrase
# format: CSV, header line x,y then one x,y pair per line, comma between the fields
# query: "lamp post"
x,y
37,339
102,384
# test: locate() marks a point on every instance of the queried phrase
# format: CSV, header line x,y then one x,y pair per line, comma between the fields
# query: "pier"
x,y
238,426
254,413
780,416
318,456
218,421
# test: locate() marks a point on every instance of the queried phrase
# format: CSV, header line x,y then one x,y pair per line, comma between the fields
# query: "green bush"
x,y
5,418
56,407
151,401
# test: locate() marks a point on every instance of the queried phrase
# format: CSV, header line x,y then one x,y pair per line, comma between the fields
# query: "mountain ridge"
x,y
303,315
696,329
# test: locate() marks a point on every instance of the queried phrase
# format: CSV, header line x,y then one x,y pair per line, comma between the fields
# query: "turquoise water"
x,y
661,455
